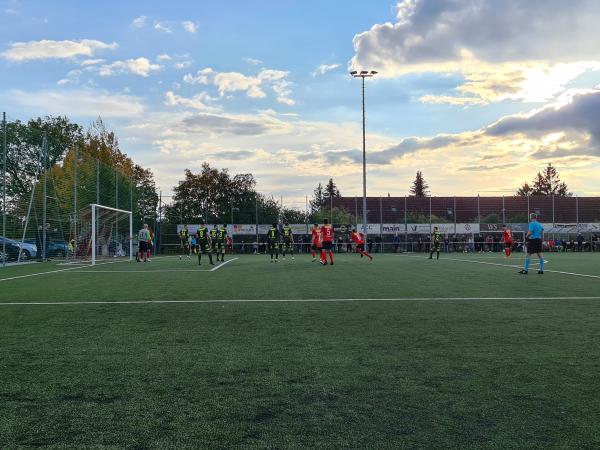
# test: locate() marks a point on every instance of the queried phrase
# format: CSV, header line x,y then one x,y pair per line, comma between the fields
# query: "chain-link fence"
x,y
48,180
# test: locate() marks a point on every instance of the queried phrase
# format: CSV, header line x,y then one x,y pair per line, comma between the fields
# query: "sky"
x,y
479,95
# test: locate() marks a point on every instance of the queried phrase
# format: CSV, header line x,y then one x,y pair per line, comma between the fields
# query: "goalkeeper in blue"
x,y
534,239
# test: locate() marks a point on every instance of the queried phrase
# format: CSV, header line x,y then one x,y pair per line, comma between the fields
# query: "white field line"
x,y
511,266
89,270
18,277
322,300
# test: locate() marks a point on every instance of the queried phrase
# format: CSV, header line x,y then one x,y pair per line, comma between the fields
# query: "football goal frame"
x,y
94,228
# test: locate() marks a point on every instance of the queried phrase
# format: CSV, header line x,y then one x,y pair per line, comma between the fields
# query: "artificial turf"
x,y
515,372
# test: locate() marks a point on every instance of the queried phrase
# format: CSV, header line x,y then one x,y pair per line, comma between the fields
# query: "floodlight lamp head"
x,y
374,72
354,73
364,72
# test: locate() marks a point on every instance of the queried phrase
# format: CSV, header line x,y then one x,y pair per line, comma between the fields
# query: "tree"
x,y
318,199
546,183
419,188
331,190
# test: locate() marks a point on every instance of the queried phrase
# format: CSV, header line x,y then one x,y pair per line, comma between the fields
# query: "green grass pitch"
x,y
403,352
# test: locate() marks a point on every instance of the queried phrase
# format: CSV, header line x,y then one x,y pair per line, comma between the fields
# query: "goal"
x,y
103,233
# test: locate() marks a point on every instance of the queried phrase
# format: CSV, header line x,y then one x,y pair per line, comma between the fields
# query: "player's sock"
x,y
199,258
323,257
431,255
542,264
210,258
527,262
312,253
438,255
330,256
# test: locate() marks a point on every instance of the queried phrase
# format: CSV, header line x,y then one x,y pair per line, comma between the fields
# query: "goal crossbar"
x,y
94,208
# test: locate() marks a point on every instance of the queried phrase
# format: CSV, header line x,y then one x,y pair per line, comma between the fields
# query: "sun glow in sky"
x,y
478,95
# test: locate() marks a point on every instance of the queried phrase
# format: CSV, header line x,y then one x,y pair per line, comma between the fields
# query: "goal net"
x,y
102,233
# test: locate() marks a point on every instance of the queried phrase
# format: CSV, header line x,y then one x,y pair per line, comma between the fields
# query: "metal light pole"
x,y
364,74
4,258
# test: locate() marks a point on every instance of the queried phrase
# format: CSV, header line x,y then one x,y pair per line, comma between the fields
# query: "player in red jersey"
x,y
507,237
316,242
327,237
359,240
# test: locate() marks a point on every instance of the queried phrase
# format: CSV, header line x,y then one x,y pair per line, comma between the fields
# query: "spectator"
x,y
396,242
580,242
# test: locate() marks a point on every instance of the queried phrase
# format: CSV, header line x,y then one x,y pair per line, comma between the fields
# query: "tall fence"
x,y
47,188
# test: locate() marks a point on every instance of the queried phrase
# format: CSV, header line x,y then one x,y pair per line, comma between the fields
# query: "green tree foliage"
x,y
419,188
546,183
211,194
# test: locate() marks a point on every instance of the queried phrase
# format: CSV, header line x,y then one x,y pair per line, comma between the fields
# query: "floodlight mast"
x,y
364,74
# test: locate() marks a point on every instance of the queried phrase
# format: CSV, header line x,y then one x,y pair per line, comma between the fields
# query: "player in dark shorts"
x,y
184,242
221,241
273,242
213,237
288,240
436,242
534,239
316,242
327,239
203,244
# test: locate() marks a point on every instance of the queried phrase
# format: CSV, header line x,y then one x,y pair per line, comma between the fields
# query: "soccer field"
x,y
403,352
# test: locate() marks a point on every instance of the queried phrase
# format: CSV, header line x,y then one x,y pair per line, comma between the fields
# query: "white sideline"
x,y
54,271
322,300
80,269
509,266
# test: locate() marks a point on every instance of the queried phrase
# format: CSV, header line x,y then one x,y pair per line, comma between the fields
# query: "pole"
x,y
4,258
478,211
44,202
160,216
455,219
94,235
405,224
331,208
503,210
97,181
380,224
577,211
256,219
356,212
131,236
75,161
430,229
364,129
553,218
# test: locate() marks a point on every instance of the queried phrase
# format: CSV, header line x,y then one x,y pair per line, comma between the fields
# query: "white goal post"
x,y
104,233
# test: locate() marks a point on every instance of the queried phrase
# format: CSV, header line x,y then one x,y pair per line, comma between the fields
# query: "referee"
x,y
535,236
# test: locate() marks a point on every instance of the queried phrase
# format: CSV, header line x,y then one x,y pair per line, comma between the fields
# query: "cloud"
x,y
238,125
164,57
47,49
525,51
78,103
197,102
323,69
91,62
140,66
189,26
160,26
253,86
139,22
430,32
253,61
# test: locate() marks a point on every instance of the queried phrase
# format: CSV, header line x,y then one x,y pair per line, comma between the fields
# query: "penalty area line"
x,y
511,266
322,300
29,275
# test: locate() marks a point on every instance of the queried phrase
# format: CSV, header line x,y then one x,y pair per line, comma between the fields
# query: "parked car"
x,y
54,248
28,249
12,250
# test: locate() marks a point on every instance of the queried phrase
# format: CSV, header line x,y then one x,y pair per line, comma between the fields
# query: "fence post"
x,y
44,201
553,217
405,224
503,210
380,224
577,211
430,214
4,189
75,161
478,211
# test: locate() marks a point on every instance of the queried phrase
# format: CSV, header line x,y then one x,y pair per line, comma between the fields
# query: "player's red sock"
x,y
323,256
312,254
367,255
331,256
148,254
507,252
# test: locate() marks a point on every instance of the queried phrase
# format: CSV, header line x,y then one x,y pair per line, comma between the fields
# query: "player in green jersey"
x,y
184,241
213,237
203,243
436,242
221,240
288,240
273,242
